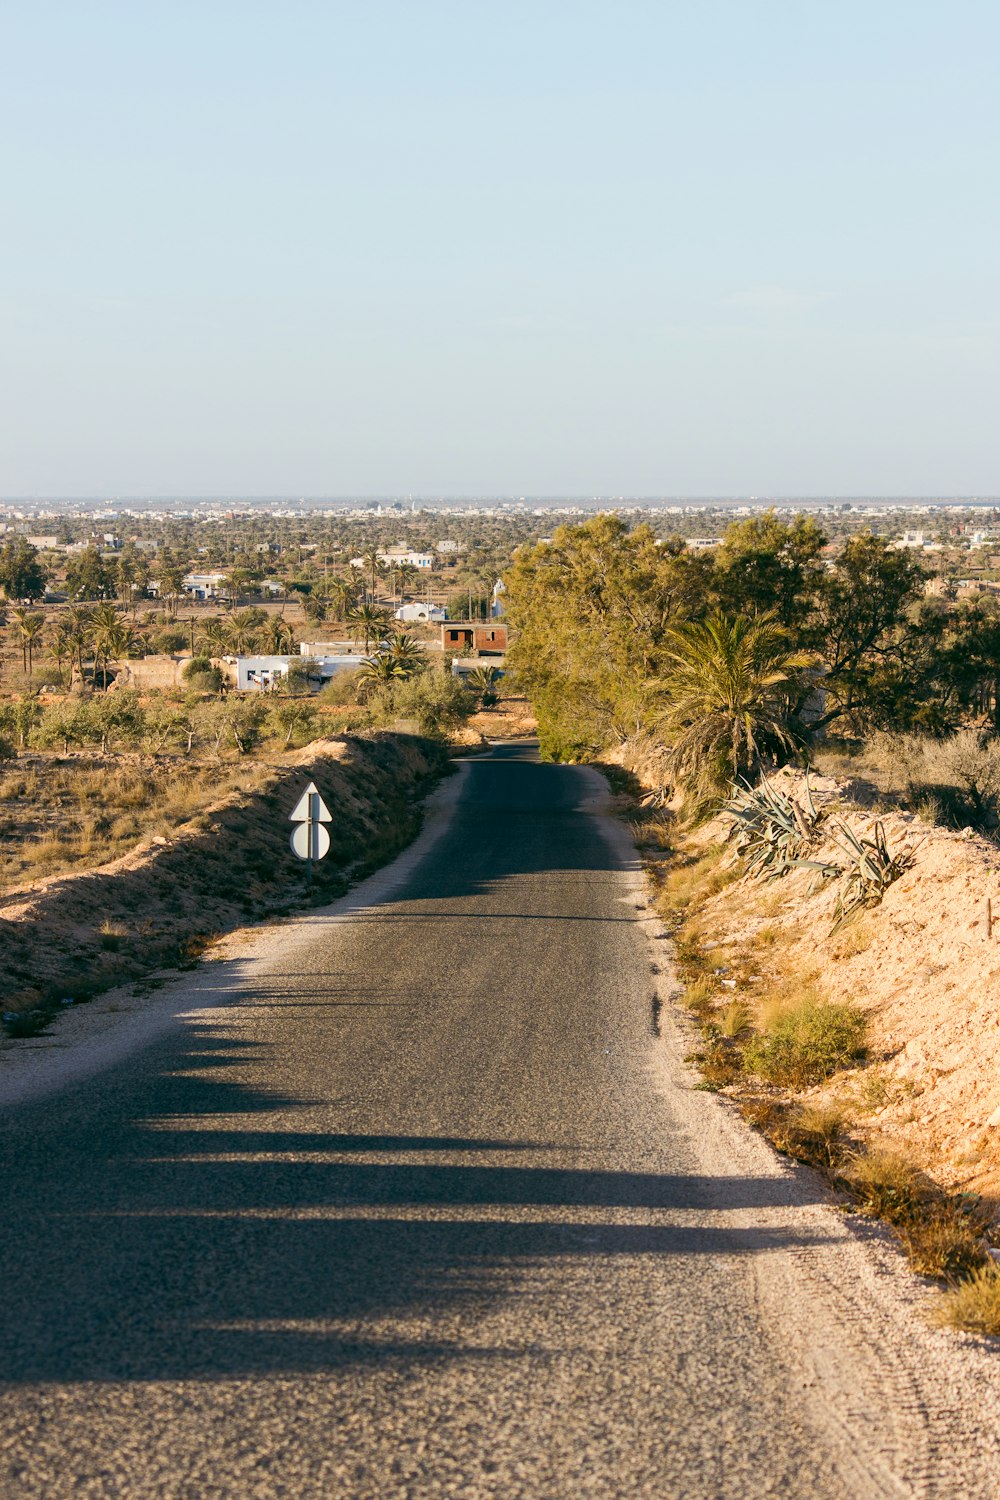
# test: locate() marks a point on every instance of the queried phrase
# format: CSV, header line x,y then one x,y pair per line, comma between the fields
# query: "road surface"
x,y
427,1208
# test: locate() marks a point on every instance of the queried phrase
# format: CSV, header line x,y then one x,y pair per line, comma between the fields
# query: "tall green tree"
x,y
88,576
590,612
766,565
22,576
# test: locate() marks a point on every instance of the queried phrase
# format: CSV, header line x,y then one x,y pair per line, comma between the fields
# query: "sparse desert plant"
x,y
806,1042
944,1241
653,830
870,868
721,1063
695,880
771,830
112,934
735,1019
973,1305
699,997
814,1135
886,1184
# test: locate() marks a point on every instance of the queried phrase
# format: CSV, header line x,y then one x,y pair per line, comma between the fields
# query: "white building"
x,y
325,648
258,673
420,614
203,585
396,556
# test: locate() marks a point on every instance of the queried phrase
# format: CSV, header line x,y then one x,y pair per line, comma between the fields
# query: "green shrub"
x,y
202,676
168,642
341,690
807,1042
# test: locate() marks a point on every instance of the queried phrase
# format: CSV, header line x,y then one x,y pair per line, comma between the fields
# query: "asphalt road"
x,y
423,1211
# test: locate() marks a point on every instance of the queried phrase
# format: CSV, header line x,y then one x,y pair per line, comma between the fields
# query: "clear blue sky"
x,y
633,247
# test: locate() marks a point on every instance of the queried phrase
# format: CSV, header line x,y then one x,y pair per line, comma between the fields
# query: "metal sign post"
x,y
310,839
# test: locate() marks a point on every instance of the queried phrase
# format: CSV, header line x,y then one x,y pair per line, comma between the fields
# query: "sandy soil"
x,y
72,936
924,965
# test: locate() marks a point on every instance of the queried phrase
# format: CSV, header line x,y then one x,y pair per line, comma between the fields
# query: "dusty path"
x,y
426,1209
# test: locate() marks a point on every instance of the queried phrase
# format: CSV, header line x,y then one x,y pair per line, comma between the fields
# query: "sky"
x,y
512,247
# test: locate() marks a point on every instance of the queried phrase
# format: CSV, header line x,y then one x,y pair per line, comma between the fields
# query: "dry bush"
x,y
721,1063
815,1135
886,1185
973,1305
955,780
943,1241
652,831
806,1040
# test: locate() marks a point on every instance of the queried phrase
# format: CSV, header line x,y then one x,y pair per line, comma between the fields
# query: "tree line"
x,y
740,655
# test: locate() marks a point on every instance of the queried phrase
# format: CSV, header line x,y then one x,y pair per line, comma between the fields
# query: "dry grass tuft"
x,y
806,1041
735,1019
815,1135
943,1241
699,997
973,1305
886,1185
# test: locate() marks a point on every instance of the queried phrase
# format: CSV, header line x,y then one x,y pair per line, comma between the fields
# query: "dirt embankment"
x,y
70,937
924,966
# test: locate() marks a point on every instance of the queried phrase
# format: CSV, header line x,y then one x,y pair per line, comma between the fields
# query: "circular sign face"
x,y
301,841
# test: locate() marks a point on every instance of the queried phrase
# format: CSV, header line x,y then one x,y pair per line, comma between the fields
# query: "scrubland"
x,y
868,1043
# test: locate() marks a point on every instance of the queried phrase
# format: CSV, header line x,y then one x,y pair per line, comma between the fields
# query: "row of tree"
x,y
103,634
736,654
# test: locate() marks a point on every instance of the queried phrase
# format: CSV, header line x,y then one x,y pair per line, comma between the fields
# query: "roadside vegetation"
x,y
221,859
702,672
775,646
778,1037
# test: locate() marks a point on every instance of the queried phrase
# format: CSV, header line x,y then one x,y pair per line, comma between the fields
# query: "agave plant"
x,y
871,869
772,830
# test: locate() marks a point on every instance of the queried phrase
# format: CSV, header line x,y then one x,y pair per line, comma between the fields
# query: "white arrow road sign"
x,y
310,808
310,840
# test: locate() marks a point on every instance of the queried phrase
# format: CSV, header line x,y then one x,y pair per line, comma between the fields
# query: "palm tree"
x,y
279,636
373,563
406,655
61,644
214,635
31,631
111,638
28,625
730,685
406,573
380,669
342,594
18,620
78,629
242,629
367,622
